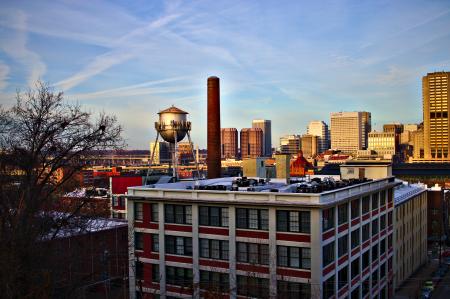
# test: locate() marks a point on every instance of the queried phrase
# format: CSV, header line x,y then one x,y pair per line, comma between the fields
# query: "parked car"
x,y
429,285
426,293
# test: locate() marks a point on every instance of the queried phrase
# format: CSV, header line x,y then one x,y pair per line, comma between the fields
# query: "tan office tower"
x,y
349,131
290,144
435,93
266,127
251,143
309,145
229,141
320,129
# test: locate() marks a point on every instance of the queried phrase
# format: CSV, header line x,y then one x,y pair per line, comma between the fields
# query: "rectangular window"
x,y
139,270
343,277
365,287
382,222
178,245
155,273
253,253
293,290
252,286
355,238
179,214
342,245
366,259
374,227
155,212
155,243
382,246
328,288
374,278
139,241
179,276
390,218
355,268
343,214
374,201
366,232
294,257
214,281
294,221
355,208
328,254
138,211
382,198
374,253
257,219
213,216
328,219
365,204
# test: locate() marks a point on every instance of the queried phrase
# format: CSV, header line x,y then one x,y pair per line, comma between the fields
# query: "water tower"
x,y
172,126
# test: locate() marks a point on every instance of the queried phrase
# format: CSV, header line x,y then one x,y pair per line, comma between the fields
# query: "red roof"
x,y
173,109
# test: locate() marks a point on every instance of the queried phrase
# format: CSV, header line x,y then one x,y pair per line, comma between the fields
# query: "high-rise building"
x,y
309,145
290,144
320,129
436,110
229,141
252,143
185,153
162,152
393,128
349,131
266,127
383,143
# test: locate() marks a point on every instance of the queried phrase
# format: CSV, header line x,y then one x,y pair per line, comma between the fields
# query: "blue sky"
x,y
288,61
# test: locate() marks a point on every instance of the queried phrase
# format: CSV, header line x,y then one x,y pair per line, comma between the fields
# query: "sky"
x,y
287,61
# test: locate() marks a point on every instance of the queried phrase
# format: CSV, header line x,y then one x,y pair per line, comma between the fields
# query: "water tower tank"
x,y
173,121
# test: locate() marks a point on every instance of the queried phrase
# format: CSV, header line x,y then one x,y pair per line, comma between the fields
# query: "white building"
x,y
320,129
349,131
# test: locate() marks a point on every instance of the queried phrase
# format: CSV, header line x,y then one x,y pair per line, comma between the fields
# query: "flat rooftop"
x,y
404,191
315,190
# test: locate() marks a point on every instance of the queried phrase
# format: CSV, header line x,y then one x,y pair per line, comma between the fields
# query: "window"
x,y
155,212
155,273
374,227
342,245
374,201
374,253
390,241
382,198
328,254
139,241
382,222
343,214
365,287
294,257
355,208
293,290
366,204
179,276
366,232
294,221
374,278
138,211
390,218
252,286
343,277
213,216
139,270
155,243
253,253
327,219
252,219
355,294
328,288
382,271
178,245
355,268
366,259
214,249
178,214
355,238
214,281
382,246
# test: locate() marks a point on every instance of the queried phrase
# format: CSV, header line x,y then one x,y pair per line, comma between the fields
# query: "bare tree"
x,y
43,143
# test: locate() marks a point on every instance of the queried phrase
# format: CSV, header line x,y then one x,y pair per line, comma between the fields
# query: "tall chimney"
x,y
214,165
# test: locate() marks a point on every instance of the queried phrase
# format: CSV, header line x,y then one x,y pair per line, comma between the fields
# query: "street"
x,y
443,289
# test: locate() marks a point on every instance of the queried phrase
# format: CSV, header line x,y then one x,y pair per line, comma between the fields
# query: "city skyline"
x,y
134,60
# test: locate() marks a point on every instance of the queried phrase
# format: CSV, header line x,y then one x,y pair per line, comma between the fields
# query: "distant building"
x,y
418,145
393,128
185,153
320,129
349,131
162,152
436,110
309,145
383,143
229,141
290,144
266,127
252,143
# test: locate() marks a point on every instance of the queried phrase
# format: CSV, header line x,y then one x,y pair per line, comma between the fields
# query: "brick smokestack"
x,y
214,153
